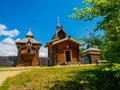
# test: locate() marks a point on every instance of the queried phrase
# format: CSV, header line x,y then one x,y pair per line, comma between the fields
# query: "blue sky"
x,y
17,16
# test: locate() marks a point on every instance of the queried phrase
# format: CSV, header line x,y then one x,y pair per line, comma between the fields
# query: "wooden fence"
x,y
12,61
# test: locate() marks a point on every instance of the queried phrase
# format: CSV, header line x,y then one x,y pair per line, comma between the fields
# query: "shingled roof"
x,y
29,33
25,40
55,39
29,37
55,36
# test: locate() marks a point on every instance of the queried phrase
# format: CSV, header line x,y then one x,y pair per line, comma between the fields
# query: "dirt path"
x,y
5,74
12,71
9,72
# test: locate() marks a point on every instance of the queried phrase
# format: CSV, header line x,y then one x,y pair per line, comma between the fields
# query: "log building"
x,y
91,55
62,49
28,51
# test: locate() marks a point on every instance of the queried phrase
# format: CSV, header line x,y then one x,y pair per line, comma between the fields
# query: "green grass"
x,y
10,69
61,78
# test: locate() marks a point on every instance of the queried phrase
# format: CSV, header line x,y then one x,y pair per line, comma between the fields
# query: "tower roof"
x,y
91,49
61,36
29,34
25,40
60,33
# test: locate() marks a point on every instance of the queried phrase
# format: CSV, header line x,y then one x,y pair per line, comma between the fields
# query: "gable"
x,y
60,34
65,40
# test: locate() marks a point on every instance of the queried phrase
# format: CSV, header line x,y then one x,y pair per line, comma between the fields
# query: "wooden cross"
x,y
58,20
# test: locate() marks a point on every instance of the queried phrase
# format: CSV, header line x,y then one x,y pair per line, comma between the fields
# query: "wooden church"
x,y
28,51
62,49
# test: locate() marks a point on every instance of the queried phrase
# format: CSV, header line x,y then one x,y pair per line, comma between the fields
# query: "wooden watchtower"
x,y
28,51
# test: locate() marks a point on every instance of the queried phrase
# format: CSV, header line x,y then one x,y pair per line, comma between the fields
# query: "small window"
x,y
28,43
28,50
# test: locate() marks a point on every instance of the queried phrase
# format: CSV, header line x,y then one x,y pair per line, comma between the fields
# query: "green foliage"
x,y
115,67
88,77
97,40
81,50
109,10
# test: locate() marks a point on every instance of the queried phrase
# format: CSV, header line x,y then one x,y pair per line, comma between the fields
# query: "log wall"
x,y
12,61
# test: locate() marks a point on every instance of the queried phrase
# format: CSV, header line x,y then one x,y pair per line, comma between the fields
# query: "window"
x,y
28,50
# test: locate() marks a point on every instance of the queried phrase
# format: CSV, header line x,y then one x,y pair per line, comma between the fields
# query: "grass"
x,y
10,69
61,78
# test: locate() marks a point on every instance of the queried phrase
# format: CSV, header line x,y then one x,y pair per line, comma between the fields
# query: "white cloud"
x,y
8,50
43,52
5,32
17,39
11,50
2,26
8,41
8,47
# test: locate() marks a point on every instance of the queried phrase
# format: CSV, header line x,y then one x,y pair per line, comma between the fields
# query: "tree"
x,y
96,40
109,10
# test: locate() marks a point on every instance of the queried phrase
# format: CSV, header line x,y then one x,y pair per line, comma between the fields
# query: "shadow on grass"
x,y
87,80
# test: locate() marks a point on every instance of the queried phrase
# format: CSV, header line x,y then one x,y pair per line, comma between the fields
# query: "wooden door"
x,y
67,54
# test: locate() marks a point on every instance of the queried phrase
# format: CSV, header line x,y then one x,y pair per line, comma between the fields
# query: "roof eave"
x,y
78,43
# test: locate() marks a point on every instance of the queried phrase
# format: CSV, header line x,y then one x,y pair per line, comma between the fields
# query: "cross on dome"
x,y
58,24
58,20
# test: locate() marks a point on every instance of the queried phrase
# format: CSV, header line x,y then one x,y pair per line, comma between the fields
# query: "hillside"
x,y
87,77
